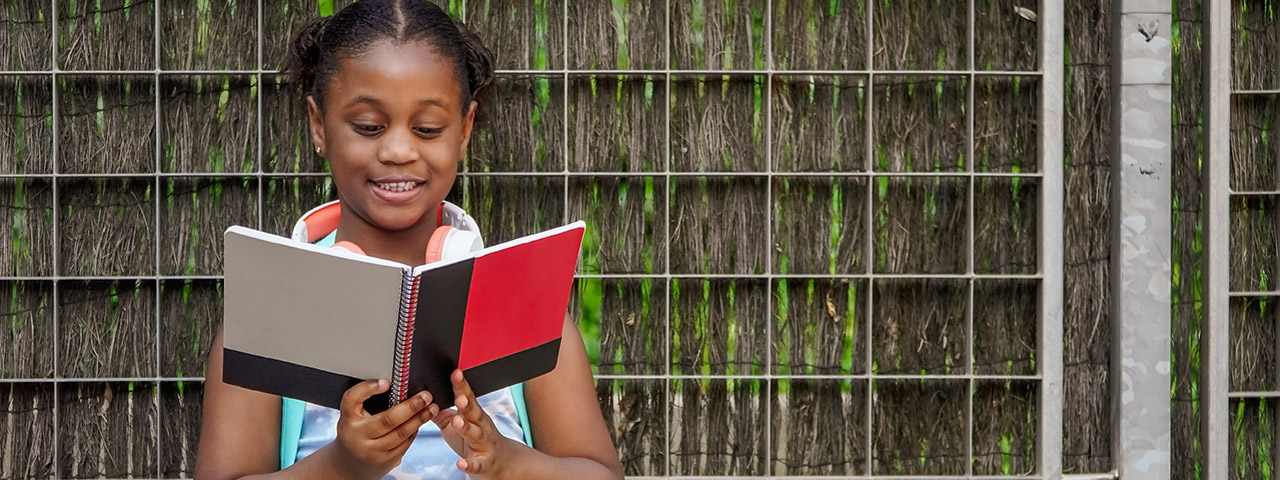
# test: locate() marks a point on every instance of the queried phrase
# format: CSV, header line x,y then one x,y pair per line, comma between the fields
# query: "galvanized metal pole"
x,y
1142,61
1052,15
1215,333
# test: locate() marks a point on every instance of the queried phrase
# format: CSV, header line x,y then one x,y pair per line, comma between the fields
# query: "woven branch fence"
x,y
100,371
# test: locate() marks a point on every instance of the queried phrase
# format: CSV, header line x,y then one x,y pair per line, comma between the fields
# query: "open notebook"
x,y
308,322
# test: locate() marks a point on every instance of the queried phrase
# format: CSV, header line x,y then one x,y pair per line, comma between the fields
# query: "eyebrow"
x,y
433,101
378,103
365,99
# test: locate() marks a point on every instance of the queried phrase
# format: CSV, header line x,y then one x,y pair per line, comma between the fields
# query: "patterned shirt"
x,y
429,456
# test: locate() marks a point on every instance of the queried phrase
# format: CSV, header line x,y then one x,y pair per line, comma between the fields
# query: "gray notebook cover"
x,y
280,294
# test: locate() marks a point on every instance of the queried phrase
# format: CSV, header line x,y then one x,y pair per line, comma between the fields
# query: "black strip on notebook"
x,y
512,369
437,338
291,380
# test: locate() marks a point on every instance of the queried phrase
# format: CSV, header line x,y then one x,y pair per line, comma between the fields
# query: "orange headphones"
x,y
456,235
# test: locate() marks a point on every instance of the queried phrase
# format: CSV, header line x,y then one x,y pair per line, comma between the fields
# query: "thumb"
x,y
353,399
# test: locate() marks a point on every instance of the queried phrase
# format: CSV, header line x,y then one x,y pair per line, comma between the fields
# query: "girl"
x,y
390,90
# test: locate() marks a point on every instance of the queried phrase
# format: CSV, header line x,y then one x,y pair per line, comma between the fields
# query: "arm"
x,y
240,429
565,416
568,429
240,433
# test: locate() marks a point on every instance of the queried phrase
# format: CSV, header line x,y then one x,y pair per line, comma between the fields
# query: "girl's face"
x,y
393,130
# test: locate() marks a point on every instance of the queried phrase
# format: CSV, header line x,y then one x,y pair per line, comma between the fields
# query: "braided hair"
x,y
316,51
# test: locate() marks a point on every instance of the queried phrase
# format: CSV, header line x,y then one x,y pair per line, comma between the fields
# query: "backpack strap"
x,y
291,413
517,397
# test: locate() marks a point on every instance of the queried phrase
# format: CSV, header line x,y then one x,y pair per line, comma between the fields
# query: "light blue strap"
x,y
291,414
517,397
328,240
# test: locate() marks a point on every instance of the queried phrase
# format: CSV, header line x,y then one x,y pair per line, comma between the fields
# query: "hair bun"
x,y
304,54
479,60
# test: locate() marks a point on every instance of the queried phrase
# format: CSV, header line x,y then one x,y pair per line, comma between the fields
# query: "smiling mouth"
x,y
397,186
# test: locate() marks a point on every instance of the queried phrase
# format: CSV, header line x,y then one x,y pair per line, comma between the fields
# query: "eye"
x,y
367,130
428,131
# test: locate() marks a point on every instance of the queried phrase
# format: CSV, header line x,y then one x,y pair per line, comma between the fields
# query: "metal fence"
x,y
1240,191
705,299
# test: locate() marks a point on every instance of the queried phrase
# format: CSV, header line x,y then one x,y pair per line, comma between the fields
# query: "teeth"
x,y
397,186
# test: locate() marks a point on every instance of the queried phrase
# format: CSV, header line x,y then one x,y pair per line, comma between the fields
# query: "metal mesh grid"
x,y
965,277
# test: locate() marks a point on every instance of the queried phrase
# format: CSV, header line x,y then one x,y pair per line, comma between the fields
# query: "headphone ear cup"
x,y
435,246
348,246
461,243
448,243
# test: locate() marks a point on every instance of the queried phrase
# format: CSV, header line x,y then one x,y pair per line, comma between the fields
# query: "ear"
x,y
468,121
316,121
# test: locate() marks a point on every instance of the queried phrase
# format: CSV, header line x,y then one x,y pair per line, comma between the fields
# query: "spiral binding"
x,y
404,338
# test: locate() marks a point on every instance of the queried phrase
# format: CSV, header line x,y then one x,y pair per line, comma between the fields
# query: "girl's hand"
x,y
485,452
369,446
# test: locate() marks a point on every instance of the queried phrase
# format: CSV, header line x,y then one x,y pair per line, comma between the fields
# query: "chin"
x,y
391,217
398,219
396,223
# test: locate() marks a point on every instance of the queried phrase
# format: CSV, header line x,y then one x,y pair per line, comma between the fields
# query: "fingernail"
x,y
382,383
434,410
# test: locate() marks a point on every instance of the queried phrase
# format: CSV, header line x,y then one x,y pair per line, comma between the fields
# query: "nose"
x,y
398,147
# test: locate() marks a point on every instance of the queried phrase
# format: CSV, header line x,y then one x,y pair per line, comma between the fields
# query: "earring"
x,y
317,150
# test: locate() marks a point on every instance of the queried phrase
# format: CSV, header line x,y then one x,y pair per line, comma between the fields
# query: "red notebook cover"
x,y
511,303
498,316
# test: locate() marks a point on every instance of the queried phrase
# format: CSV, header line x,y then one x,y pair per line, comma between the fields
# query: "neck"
x,y
407,246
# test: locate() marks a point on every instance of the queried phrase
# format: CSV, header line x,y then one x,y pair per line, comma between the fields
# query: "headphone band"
x,y
319,222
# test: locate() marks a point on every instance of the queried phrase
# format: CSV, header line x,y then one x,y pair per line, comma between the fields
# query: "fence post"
x,y
1142,225
1052,14
1214,373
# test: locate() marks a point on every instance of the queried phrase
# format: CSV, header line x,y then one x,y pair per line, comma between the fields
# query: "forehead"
x,y
394,72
